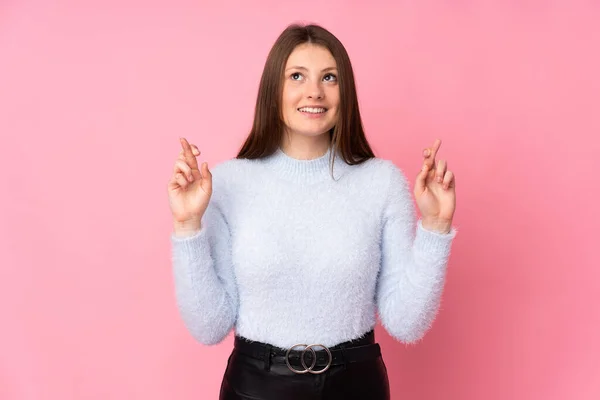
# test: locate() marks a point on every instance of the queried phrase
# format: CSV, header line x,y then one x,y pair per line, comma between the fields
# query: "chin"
x,y
312,131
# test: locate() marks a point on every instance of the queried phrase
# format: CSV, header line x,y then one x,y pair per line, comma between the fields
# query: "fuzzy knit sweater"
x,y
287,254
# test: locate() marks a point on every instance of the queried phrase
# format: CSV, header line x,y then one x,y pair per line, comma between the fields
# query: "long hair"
x,y
347,137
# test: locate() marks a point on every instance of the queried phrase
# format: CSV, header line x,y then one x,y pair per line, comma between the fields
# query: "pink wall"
x,y
94,96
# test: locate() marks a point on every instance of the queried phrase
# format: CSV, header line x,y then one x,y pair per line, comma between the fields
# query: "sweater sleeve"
x,y
413,265
205,287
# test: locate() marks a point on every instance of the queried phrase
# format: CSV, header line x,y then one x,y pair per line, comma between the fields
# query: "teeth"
x,y
312,110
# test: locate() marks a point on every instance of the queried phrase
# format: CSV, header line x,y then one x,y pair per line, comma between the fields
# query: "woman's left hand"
x,y
435,191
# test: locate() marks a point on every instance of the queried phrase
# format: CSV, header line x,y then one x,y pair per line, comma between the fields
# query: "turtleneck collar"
x,y
305,171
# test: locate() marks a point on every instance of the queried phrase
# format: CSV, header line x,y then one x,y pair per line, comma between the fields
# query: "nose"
x,y
314,90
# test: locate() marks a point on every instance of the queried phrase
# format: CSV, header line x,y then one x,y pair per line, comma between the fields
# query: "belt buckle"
x,y
307,368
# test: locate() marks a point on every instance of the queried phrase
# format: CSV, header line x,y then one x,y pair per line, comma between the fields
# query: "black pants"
x,y
252,377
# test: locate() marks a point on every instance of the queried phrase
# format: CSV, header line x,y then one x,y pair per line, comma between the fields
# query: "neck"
x,y
305,148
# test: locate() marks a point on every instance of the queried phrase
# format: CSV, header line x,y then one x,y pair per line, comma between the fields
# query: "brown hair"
x,y
347,136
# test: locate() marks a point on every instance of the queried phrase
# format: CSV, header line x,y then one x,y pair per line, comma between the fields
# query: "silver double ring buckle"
x,y
307,368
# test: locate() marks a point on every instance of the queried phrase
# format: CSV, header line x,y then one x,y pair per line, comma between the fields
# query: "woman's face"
x,y
311,94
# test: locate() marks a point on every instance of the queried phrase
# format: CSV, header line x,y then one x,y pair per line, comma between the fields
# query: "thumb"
x,y
206,175
421,180
205,171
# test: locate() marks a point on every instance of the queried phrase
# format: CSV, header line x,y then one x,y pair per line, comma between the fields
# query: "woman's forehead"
x,y
309,56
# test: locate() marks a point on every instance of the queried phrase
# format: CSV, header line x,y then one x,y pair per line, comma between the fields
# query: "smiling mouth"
x,y
313,110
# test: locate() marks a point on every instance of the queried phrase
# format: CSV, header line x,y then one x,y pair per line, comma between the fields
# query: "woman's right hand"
x,y
189,189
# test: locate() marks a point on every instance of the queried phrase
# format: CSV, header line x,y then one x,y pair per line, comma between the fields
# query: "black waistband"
x,y
360,349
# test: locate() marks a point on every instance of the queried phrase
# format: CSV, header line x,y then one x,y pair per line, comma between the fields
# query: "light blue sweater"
x,y
288,255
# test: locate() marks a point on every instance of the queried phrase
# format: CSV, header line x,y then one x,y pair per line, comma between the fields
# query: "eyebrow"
x,y
305,69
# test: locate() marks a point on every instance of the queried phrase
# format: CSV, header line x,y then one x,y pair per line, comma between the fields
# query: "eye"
x,y
332,76
294,75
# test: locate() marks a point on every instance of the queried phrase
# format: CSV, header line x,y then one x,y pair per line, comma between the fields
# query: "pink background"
x,y
94,95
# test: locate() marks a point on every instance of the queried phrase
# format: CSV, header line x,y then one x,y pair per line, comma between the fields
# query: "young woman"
x,y
305,237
